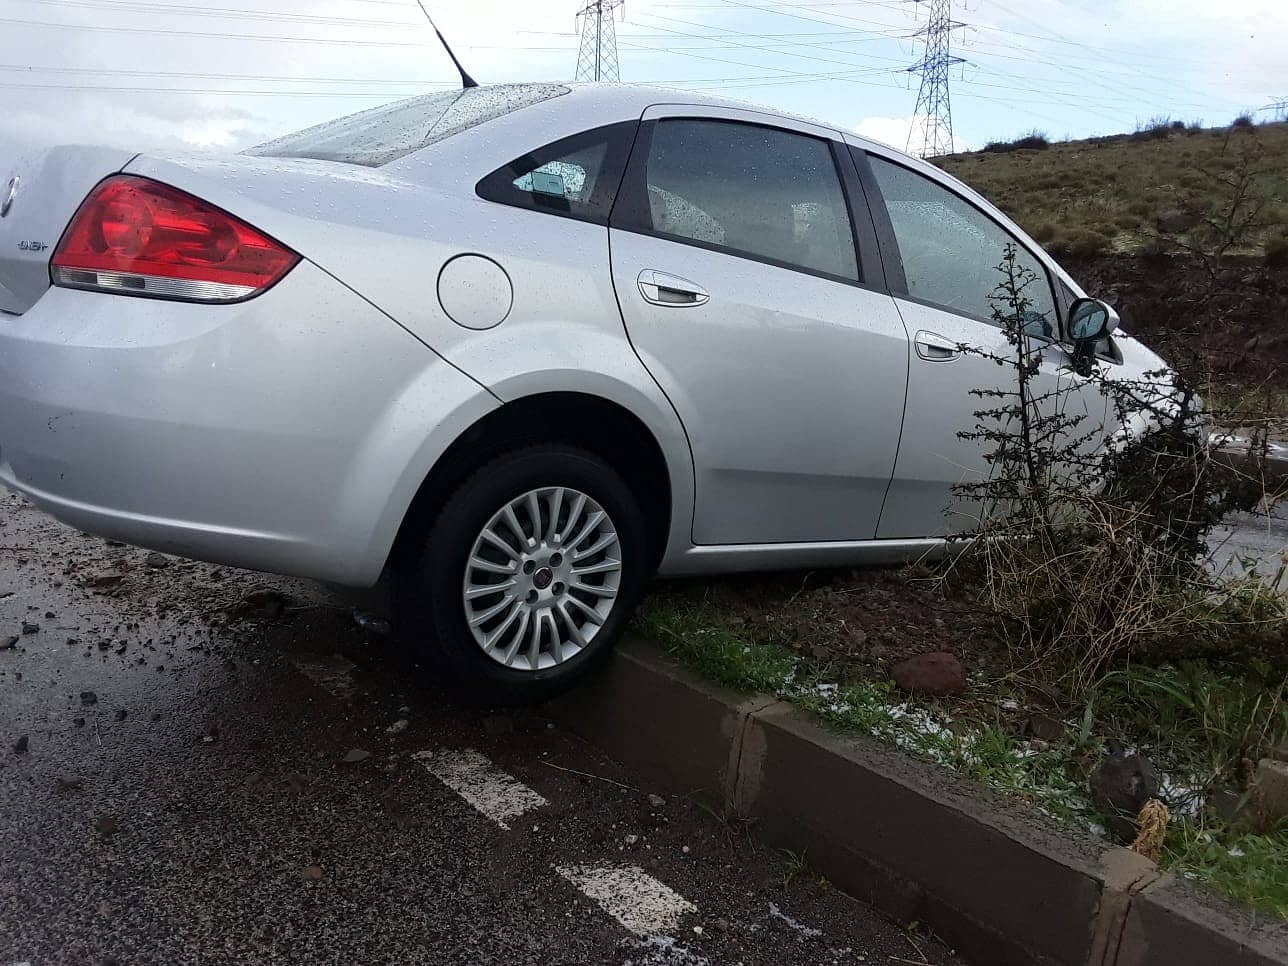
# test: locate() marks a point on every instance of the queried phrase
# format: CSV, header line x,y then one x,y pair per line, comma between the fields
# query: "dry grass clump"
x,y
1079,242
1114,576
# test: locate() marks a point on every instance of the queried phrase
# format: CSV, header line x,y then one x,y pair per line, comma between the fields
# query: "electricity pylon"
x,y
934,111
597,58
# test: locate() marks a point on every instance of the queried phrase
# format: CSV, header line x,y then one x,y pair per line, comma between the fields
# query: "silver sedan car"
x,y
523,346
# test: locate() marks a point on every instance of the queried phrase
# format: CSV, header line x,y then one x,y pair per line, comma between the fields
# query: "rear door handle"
x,y
659,288
935,348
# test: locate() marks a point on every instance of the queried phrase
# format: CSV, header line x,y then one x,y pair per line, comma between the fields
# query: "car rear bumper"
x,y
288,433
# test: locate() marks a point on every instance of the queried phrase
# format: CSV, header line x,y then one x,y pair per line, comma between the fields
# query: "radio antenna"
x,y
466,79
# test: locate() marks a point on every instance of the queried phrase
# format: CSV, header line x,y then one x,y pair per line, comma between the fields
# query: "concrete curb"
x,y
996,881
1276,469
1274,464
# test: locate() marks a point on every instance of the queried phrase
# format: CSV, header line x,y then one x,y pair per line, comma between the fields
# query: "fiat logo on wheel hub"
x,y
542,578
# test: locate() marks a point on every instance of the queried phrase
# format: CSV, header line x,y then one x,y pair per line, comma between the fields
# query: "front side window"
x,y
391,131
752,190
577,176
951,250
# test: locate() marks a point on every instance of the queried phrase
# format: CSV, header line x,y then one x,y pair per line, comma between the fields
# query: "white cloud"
x,y
197,77
75,75
888,130
894,132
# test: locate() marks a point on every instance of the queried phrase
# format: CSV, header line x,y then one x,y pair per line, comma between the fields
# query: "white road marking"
x,y
331,672
471,775
631,896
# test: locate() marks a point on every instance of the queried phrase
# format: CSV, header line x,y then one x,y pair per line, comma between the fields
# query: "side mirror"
x,y
1090,320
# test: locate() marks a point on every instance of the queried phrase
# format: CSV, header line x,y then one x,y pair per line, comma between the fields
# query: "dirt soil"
x,y
865,620
1235,326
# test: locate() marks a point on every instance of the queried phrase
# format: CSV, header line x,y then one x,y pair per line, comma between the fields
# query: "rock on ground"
x,y
1120,787
935,673
1271,783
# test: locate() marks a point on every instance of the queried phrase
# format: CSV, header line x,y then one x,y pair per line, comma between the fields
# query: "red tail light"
x,y
140,237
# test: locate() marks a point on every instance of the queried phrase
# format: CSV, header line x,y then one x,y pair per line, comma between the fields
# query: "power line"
x,y
118,71
767,4
892,4
417,85
1081,103
934,110
771,47
716,60
892,34
228,13
717,33
778,10
217,36
1101,54
597,56
98,88
1108,82
1098,76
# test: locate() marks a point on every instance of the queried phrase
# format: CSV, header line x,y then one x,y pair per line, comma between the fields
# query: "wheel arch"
x,y
593,422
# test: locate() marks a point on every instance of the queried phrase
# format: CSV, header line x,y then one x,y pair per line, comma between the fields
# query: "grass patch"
x,y
964,736
715,652
1090,187
1247,867
1198,721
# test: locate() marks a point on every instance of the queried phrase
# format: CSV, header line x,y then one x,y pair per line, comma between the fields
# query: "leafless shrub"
x,y
1035,140
1229,209
1091,558
1157,128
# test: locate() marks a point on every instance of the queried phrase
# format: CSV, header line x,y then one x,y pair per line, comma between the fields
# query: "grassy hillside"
x,y
1167,185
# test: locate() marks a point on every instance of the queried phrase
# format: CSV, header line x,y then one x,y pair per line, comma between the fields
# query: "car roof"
x,y
639,97
642,96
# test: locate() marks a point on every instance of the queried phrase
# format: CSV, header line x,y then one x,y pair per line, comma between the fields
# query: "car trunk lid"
x,y
38,195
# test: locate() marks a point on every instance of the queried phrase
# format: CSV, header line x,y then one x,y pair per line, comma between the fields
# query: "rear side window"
x,y
577,176
751,190
951,250
391,131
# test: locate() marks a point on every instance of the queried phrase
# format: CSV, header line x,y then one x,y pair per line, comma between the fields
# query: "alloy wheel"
x,y
542,578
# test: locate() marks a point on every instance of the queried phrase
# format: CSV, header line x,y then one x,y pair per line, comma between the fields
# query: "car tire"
x,y
516,616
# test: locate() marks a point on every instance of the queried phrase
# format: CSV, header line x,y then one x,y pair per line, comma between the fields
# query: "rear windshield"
x,y
383,134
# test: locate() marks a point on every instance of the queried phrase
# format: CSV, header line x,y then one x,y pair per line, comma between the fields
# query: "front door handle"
x,y
935,348
659,288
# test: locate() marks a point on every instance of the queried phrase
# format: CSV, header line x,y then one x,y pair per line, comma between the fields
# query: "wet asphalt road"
x,y
1257,540
184,797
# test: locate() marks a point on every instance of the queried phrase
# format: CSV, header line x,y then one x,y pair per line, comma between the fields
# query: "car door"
x,y
943,257
757,303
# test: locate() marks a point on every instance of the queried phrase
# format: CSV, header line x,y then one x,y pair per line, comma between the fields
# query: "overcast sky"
x,y
225,74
